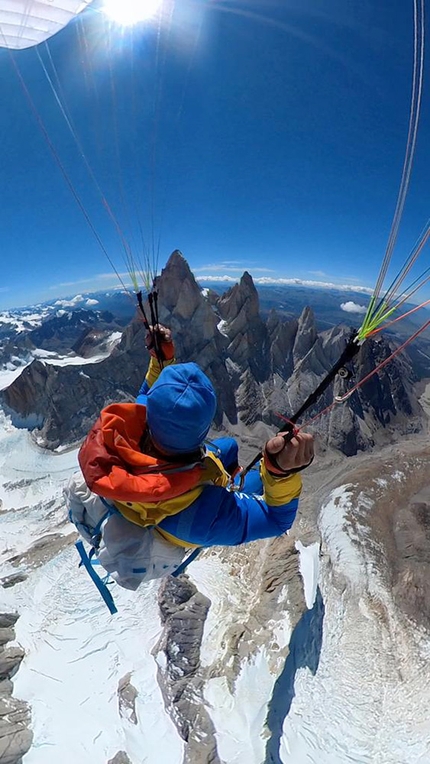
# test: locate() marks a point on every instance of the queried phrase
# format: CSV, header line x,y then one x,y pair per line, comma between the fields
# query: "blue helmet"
x,y
180,406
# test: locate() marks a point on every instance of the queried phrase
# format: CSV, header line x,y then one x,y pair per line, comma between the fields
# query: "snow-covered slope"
x,y
368,701
16,365
342,680
76,653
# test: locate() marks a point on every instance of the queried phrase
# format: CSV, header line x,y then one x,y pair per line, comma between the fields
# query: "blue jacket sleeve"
x,y
154,371
223,518
143,392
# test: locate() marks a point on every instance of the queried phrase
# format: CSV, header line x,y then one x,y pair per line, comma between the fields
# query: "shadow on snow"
x,y
305,649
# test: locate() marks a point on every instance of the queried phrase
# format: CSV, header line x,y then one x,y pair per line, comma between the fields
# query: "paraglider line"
x,y
404,315
351,350
414,116
343,398
59,97
62,168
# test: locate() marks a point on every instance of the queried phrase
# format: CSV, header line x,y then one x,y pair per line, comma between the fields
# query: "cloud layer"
x,y
269,281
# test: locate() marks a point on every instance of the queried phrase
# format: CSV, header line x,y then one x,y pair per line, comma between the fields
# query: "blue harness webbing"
x,y
89,563
184,564
100,584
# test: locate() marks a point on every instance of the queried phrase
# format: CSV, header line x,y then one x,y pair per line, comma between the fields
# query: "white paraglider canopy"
x,y
25,23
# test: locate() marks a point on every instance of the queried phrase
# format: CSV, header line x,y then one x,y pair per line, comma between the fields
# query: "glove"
x,y
160,337
283,459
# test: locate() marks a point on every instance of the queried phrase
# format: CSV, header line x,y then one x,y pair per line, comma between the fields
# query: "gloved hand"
x,y
162,336
283,459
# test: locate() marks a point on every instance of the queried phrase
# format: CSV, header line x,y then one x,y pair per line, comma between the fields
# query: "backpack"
x,y
130,554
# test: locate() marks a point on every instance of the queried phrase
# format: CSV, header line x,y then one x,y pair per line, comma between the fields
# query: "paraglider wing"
x,y
25,23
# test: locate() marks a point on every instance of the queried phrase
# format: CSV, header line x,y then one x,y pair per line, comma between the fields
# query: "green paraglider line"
x,y
414,116
404,315
376,315
377,368
376,320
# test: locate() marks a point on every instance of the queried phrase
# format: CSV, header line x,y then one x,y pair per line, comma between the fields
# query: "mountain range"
x,y
308,648
260,366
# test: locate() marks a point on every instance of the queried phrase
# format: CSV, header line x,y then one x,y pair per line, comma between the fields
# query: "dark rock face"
x,y
66,330
16,578
246,331
306,336
257,367
92,342
194,325
127,695
120,758
15,735
281,342
183,613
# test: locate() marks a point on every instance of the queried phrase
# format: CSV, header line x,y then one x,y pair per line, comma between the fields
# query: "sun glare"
x,y
128,12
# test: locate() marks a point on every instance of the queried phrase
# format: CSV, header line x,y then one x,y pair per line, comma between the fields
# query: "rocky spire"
x,y
178,289
306,335
239,308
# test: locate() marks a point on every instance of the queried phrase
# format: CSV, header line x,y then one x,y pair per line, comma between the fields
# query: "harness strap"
x,y
187,561
101,586
97,533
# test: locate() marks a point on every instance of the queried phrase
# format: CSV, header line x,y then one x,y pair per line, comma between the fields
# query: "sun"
x,y
128,12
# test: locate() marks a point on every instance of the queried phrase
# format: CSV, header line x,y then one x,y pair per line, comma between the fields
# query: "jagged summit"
x,y
178,289
306,335
237,297
177,265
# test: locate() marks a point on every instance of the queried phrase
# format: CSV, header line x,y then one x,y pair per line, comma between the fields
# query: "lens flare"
x,y
129,12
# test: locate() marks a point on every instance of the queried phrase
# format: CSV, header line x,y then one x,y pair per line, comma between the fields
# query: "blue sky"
x,y
261,135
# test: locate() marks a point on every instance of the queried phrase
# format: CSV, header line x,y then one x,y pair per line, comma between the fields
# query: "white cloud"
x,y
270,281
89,302
353,307
70,303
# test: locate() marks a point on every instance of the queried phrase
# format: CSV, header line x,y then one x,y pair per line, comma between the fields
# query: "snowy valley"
x,y
311,648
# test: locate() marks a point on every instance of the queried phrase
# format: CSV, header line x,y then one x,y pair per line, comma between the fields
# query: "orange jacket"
x,y
114,466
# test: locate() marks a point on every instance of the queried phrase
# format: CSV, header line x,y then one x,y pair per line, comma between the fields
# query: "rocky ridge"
x,y
183,612
15,735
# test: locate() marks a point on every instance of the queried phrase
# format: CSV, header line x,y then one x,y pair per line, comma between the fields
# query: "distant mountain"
x,y
56,335
120,303
289,301
330,306
260,365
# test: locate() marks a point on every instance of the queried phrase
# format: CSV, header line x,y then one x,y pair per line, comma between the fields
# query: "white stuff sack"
x,y
130,553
